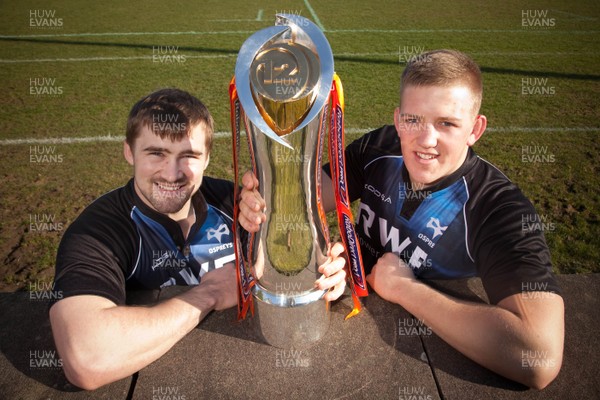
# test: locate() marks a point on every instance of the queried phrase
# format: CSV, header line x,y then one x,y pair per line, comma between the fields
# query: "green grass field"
x,y
73,70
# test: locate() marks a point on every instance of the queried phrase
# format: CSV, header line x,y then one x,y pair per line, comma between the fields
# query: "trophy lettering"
x,y
282,89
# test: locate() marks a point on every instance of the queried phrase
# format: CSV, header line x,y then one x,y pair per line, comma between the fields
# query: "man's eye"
x,y
410,120
156,153
447,123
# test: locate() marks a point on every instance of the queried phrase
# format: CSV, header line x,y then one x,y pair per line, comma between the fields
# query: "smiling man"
x,y
432,209
169,225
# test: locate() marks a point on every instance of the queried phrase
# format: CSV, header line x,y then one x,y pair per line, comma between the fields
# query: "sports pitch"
x,y
70,72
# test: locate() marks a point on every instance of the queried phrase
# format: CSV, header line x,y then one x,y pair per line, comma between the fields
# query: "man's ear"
x,y
478,129
127,152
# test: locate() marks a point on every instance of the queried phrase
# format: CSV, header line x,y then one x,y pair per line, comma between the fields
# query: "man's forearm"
x,y
492,336
109,342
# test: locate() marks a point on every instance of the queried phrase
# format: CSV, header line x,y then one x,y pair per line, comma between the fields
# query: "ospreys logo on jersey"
x,y
217,233
434,224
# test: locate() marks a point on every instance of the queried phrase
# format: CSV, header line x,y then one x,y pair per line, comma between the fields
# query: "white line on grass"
x,y
88,59
314,15
257,19
87,34
575,16
223,134
209,56
248,32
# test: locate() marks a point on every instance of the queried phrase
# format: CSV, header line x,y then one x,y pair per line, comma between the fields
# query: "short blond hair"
x,y
444,68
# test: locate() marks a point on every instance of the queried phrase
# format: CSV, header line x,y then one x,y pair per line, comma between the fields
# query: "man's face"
x,y
436,126
167,173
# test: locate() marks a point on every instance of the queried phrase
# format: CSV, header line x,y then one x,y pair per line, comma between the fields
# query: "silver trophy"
x,y
283,78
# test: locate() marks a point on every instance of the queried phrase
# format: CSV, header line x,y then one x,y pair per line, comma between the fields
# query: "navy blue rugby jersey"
x,y
468,224
119,243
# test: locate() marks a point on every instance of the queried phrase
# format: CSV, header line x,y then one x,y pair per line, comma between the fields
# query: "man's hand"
x,y
252,205
388,274
334,275
217,290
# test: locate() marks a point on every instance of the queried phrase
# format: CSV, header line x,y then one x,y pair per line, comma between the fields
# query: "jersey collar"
x,y
198,202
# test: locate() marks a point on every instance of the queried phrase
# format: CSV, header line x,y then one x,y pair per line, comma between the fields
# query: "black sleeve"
x,y
218,193
510,257
98,249
380,142
85,266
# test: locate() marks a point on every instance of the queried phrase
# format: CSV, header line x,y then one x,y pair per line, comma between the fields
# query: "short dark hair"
x,y
444,68
169,113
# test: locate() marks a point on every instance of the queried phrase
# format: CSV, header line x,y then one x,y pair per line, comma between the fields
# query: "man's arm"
x,y
521,338
100,342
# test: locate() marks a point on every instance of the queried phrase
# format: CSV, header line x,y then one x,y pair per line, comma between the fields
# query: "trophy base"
x,y
290,320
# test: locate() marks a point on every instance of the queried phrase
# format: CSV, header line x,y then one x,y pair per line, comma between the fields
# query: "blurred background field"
x,y
70,72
